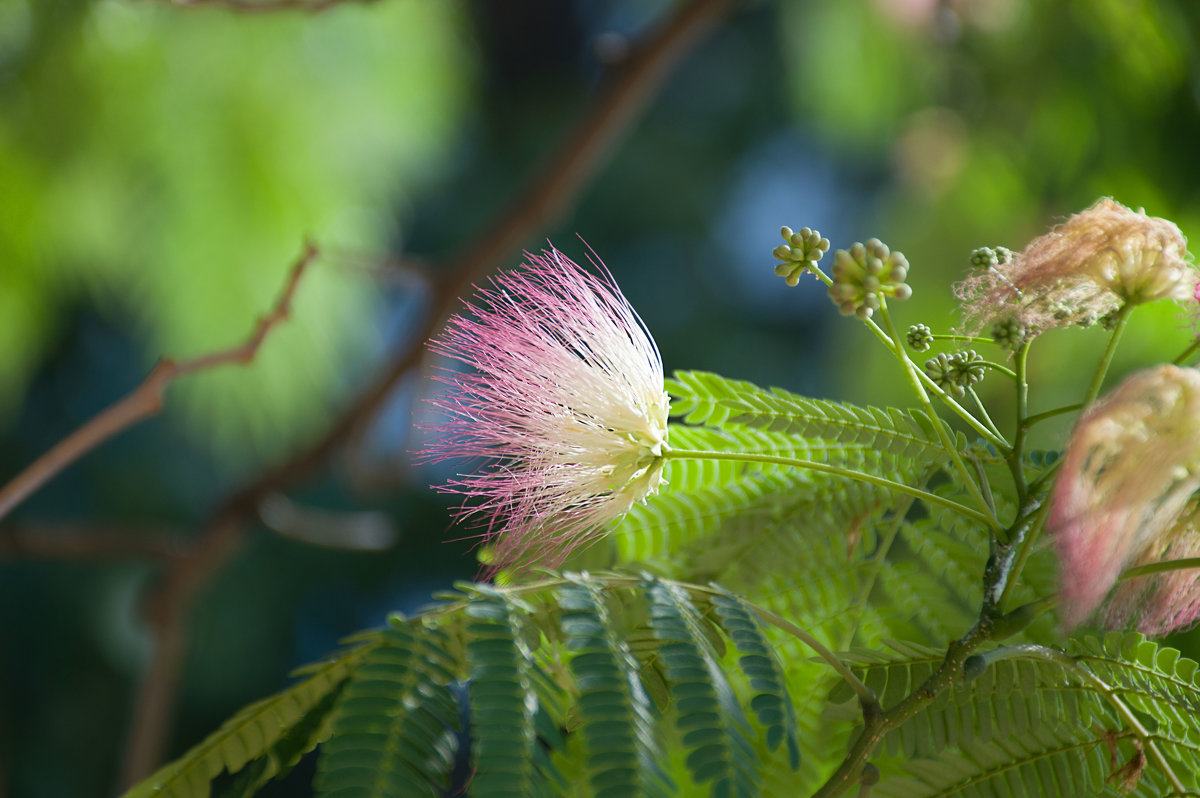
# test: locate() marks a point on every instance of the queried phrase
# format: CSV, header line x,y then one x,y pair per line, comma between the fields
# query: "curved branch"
x,y
147,399
552,192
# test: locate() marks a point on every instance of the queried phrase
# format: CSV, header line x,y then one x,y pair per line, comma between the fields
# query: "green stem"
x,y
1000,367
1015,457
866,695
893,345
948,400
1106,358
1185,354
876,564
983,413
875,727
970,339
1181,564
1058,411
826,468
911,371
1024,551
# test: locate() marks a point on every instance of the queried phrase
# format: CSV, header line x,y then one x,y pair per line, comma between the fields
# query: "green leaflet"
x,y
1050,760
1158,685
715,732
503,700
618,722
1025,722
705,398
393,732
254,733
773,704
1009,699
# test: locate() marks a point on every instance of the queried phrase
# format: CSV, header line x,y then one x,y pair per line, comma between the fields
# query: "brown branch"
x,y
85,542
144,401
268,6
551,193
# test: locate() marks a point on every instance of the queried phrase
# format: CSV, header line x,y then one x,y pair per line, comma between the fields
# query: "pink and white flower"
x,y
1097,261
1123,497
564,397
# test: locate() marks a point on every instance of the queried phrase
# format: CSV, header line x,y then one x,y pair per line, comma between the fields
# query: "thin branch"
x,y
268,6
551,194
146,400
84,542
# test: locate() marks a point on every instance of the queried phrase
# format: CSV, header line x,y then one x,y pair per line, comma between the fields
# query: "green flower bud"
x,y
985,257
800,253
865,273
1009,333
920,337
974,666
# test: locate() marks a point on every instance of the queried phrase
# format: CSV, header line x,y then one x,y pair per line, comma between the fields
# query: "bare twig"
x,y
86,542
268,6
552,192
144,401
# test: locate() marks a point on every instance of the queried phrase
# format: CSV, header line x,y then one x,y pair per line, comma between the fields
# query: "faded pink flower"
x,y
1166,601
566,399
1128,473
1099,260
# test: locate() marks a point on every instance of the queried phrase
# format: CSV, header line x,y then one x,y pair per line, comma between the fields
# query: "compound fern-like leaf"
x,y
716,734
617,719
394,732
250,734
705,398
773,704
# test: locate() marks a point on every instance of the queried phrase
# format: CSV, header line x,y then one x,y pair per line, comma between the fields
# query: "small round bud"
x,y
858,252
863,312
874,265
870,283
786,232
920,337
796,253
782,252
902,292
984,257
823,244
1009,333
973,667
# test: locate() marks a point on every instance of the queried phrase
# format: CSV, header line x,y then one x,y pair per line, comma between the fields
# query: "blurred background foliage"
x,y
161,166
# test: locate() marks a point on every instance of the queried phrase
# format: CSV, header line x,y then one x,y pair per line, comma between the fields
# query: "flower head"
x,y
1122,498
566,399
1098,261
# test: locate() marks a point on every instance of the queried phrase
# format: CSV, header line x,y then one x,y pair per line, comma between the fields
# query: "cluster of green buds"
x,y
799,253
863,274
920,337
957,372
1009,333
990,257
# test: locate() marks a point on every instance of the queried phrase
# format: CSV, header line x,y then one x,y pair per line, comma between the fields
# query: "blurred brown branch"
x,y
144,401
269,6
87,542
552,192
